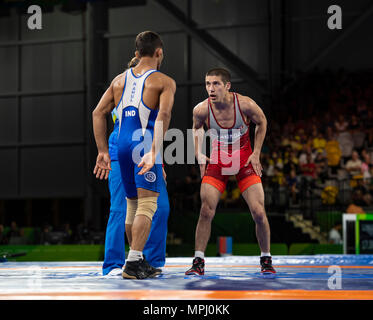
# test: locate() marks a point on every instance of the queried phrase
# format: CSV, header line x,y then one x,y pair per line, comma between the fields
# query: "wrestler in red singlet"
x,y
231,148
227,116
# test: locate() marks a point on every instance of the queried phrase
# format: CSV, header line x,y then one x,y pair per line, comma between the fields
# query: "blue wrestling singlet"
x,y
136,130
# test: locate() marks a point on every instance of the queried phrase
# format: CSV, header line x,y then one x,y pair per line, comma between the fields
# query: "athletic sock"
x,y
199,254
134,255
265,254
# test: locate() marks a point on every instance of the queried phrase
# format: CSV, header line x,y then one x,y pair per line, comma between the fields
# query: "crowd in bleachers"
x,y
326,135
48,235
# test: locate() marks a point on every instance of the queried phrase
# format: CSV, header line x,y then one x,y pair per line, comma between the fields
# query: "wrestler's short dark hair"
x,y
223,73
147,42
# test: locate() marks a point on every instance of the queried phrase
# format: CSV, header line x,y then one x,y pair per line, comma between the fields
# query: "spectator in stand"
x,y
332,150
14,231
335,234
303,137
308,168
83,234
357,133
307,150
275,183
278,178
3,236
67,234
346,144
45,237
353,166
341,125
290,161
319,143
293,186
368,126
344,137
366,163
362,109
369,182
286,141
362,193
354,123
274,162
295,143
354,207
321,166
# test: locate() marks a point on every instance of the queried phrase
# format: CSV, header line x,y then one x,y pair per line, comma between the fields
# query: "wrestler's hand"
x,y
103,166
147,162
202,161
255,162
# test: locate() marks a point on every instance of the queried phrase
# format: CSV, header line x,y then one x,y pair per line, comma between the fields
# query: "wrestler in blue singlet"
x,y
155,248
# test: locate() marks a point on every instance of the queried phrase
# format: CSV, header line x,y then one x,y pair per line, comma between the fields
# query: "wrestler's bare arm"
x,y
255,114
102,110
99,114
166,103
162,122
200,114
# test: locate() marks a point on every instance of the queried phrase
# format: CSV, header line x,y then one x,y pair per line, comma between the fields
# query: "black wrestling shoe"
x,y
139,269
198,267
266,263
157,271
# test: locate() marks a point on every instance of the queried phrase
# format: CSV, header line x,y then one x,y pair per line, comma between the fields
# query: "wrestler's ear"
x,y
158,52
228,85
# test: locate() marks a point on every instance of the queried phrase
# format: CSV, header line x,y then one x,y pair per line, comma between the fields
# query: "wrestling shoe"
x,y
157,271
198,267
139,269
266,263
114,273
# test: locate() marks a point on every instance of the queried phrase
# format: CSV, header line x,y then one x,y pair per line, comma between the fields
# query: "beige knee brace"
x,y
131,210
147,207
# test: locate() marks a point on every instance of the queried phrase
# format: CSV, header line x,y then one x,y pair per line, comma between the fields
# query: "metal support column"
x,y
96,62
18,104
275,44
188,63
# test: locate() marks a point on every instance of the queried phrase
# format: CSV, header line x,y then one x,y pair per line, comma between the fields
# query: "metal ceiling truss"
x,y
213,46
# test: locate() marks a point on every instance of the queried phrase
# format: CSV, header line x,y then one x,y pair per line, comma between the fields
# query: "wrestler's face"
x,y
216,89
